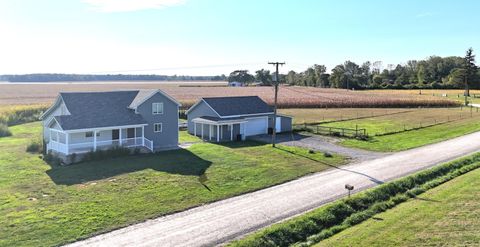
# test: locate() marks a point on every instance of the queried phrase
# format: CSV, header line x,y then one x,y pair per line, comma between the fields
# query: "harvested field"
x,y
289,97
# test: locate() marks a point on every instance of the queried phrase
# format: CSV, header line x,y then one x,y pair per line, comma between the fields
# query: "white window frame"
x,y
155,125
156,108
98,134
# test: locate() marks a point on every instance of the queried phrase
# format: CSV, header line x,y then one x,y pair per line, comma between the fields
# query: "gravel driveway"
x,y
224,220
320,143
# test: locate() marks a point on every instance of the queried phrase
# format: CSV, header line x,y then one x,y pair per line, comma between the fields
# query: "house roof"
x,y
99,109
145,94
238,106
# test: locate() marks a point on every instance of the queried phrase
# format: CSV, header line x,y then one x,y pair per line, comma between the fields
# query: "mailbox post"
x,y
349,188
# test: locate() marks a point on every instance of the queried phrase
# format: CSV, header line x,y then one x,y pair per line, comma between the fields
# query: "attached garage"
x,y
256,126
233,118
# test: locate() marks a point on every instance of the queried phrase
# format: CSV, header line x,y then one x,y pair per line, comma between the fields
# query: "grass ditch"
x,y
321,223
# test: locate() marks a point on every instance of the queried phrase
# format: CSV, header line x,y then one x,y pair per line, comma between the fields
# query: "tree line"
x,y
433,72
117,77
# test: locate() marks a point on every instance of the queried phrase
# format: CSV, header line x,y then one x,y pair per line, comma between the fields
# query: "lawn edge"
x,y
346,161
302,226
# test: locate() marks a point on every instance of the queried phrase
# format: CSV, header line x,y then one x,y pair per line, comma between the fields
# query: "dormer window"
x,y
157,108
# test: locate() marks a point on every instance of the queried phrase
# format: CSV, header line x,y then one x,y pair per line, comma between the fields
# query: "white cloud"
x,y
130,5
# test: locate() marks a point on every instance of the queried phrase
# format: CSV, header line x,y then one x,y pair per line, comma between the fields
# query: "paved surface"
x,y
221,221
321,143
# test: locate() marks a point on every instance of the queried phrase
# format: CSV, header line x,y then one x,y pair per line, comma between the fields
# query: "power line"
x,y
276,64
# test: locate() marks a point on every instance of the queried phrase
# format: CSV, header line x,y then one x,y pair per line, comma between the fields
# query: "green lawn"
x,y
41,205
407,119
183,137
416,138
444,216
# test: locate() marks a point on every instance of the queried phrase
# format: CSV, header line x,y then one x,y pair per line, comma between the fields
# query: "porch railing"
x,y
89,146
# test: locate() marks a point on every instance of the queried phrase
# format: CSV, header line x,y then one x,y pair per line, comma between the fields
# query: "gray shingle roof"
x,y
242,105
142,94
99,109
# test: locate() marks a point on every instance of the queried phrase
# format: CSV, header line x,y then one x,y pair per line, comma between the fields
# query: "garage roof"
x,y
238,106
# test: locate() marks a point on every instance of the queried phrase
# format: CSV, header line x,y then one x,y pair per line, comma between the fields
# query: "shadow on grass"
x,y
180,162
240,144
336,167
280,137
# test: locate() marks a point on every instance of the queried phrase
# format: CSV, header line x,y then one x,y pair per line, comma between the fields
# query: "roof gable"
x,y
237,106
144,95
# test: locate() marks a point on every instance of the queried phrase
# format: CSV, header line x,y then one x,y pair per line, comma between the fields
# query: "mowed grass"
x,y
407,120
444,216
184,136
317,115
416,138
391,120
43,205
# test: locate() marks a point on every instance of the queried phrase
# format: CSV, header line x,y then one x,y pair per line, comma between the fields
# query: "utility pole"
x,y
276,64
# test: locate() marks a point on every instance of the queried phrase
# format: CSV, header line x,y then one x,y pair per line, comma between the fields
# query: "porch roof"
x,y
218,121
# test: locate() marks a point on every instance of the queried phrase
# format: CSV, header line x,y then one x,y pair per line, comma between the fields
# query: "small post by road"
x,y
349,188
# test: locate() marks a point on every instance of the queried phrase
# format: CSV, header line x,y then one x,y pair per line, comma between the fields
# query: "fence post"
x,y
356,129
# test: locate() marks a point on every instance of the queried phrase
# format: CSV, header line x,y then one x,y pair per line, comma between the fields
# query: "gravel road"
x,y
218,222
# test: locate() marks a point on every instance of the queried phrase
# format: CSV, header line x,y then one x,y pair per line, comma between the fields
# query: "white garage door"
x,y
256,126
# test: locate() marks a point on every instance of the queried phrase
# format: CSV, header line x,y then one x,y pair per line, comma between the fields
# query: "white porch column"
x,y
143,135
221,131
244,131
135,135
231,132
67,137
95,140
210,132
195,129
120,136
202,131
218,133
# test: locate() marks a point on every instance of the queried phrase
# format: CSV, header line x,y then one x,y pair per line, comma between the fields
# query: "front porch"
x,y
82,141
213,129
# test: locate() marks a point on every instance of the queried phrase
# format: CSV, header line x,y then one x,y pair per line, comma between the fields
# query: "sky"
x,y
210,37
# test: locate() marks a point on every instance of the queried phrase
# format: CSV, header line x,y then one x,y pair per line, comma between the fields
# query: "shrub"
x,y
52,159
106,154
327,155
34,147
4,131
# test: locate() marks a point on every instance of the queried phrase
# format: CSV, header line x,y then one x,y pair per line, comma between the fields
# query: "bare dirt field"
x,y
187,94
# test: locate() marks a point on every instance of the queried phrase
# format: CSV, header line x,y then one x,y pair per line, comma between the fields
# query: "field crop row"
x,y
289,97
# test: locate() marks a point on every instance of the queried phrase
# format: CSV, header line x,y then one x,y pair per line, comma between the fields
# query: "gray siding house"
x,y
80,122
233,118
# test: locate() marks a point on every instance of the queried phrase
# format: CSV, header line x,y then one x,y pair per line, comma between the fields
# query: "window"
x,y
90,134
157,108
157,127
